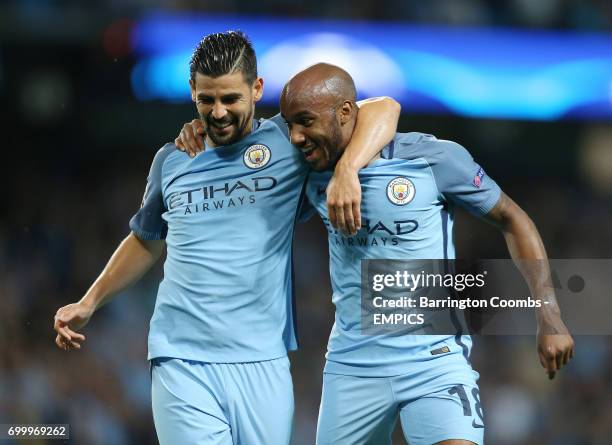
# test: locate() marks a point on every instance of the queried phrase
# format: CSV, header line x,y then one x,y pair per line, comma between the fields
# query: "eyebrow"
x,y
231,96
224,97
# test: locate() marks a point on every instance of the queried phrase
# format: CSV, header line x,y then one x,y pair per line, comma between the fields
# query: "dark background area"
x,y
77,149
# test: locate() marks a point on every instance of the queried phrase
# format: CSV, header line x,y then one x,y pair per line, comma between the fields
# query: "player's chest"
x,y
385,194
255,173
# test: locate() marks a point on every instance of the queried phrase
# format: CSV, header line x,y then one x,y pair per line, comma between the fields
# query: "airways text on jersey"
x,y
219,196
379,233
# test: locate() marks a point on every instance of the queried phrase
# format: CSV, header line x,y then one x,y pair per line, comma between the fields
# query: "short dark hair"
x,y
224,53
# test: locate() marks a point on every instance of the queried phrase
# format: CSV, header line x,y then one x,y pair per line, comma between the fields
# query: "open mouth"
x,y
222,130
220,125
308,152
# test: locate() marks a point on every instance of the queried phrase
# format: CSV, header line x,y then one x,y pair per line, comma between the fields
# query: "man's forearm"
x,y
132,259
529,254
555,344
376,126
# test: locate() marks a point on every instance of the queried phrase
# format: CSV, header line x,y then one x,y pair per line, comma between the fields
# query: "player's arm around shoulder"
x,y
375,127
554,342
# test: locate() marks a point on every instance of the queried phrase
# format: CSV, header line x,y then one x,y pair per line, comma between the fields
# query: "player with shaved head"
x,y
409,192
322,88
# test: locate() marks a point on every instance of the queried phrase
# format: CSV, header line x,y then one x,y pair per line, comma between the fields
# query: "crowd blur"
x,y
77,152
577,14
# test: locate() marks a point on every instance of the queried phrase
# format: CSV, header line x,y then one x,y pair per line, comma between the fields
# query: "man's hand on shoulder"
x,y
344,200
191,138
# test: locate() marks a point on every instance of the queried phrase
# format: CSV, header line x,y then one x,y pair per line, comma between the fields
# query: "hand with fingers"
x,y
191,138
555,345
67,321
344,201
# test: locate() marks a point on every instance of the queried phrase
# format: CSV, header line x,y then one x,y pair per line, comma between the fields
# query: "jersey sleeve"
x,y
147,223
461,180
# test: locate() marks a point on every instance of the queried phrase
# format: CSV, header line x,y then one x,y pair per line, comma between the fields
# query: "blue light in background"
x,y
466,71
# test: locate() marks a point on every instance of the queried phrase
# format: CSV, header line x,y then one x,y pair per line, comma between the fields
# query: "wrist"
x,y
346,166
90,300
548,314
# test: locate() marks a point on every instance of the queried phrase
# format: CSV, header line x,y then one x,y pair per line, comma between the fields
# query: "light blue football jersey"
x,y
407,213
228,218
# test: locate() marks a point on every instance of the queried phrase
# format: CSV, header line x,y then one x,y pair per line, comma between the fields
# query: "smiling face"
x,y
319,107
226,105
315,130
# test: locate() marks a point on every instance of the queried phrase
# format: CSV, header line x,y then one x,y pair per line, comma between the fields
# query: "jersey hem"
x,y
475,437
488,205
209,360
218,358
146,235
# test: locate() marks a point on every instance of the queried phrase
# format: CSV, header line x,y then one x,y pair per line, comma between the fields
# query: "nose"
x,y
219,111
297,137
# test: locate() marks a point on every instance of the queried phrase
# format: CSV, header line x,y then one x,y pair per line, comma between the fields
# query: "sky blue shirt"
x,y
407,213
228,217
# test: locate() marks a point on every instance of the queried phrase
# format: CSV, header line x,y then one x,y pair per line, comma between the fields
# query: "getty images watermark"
x,y
487,297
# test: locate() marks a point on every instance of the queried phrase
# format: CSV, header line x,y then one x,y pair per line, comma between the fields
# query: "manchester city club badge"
x,y
400,191
257,156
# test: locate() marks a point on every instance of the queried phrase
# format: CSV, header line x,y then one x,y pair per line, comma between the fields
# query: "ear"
x,y
258,89
193,90
346,112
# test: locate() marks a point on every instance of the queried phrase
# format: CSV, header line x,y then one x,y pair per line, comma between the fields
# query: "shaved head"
x,y
319,106
321,83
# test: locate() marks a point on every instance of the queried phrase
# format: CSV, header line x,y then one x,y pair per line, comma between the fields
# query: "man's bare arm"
x,y
376,126
555,344
132,259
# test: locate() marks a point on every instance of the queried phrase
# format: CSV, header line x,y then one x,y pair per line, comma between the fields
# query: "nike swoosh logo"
x,y
475,425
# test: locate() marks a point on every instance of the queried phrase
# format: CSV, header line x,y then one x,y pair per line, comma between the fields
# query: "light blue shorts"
x,y
222,403
363,410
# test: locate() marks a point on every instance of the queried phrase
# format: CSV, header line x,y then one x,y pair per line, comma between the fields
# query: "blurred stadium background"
x,y
90,90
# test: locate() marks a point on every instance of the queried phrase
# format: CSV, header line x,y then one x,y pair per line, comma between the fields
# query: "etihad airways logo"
x,y
374,233
214,197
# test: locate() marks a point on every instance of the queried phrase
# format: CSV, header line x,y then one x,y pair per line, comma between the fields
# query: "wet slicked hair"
x,y
224,53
